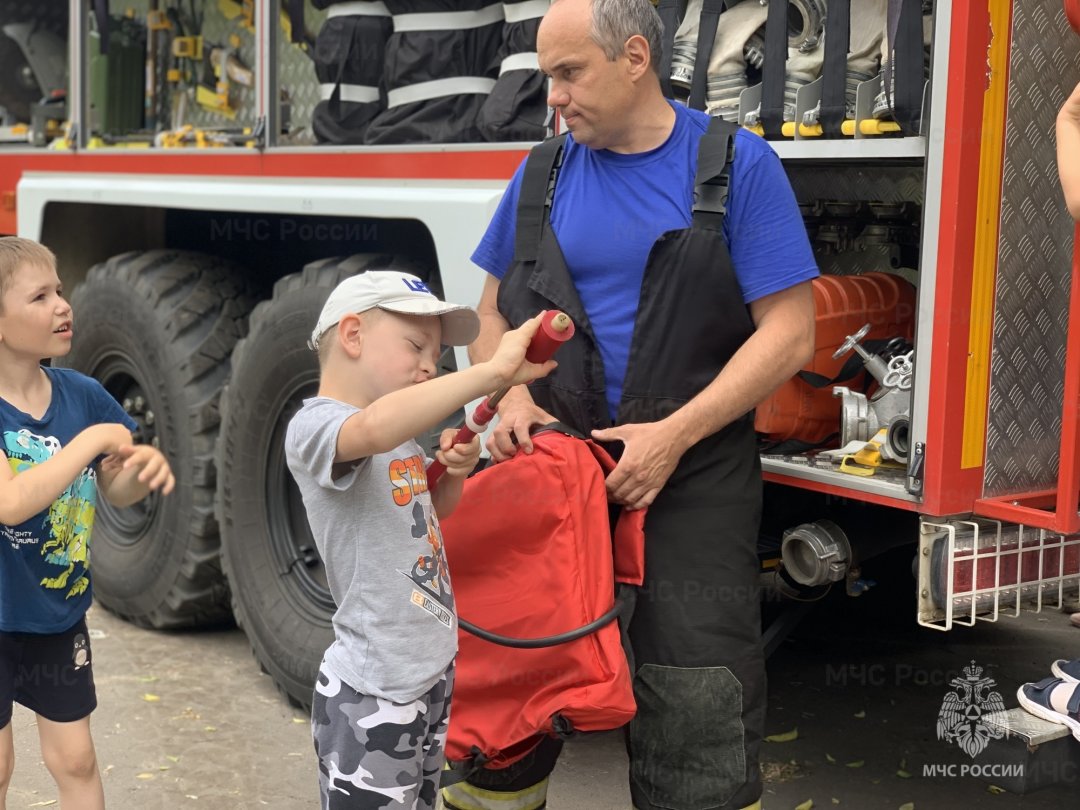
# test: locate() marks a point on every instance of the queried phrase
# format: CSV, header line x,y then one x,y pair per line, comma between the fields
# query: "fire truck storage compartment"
x,y
805,408
864,220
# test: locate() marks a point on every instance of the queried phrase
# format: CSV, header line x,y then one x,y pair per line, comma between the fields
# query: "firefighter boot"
x,y
521,786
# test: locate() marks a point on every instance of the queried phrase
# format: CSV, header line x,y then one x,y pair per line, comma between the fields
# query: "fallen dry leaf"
x,y
807,805
149,698
997,791
786,736
856,764
861,714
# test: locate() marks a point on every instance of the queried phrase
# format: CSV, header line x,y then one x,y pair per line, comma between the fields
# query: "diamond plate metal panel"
x,y
1034,260
892,185
296,77
216,30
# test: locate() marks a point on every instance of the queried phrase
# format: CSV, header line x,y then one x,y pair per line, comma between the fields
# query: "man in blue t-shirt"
x,y
63,438
687,319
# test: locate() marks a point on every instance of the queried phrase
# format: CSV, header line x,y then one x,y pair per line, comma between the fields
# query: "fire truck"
x,y
206,171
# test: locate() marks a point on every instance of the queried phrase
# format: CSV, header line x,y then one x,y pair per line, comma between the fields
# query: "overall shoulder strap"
x,y
537,191
712,182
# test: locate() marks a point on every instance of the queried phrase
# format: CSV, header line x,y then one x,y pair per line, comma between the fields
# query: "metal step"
x,y
1033,753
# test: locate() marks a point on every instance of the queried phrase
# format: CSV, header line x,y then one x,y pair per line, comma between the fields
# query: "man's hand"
x,y
153,468
650,454
459,459
517,413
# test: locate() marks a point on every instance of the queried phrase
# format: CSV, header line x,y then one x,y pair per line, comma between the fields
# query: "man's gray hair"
x,y
615,21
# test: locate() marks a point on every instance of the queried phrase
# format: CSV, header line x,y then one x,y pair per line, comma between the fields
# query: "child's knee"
x,y
73,761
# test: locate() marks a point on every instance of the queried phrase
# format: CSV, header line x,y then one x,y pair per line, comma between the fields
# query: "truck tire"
x,y
157,329
278,584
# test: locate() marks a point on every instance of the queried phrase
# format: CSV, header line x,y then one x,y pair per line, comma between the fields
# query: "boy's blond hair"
x,y
16,251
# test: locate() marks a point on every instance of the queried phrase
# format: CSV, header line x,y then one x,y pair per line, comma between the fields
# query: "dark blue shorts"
x,y
49,674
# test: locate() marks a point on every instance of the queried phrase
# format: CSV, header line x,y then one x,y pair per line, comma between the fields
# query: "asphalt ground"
x,y
188,719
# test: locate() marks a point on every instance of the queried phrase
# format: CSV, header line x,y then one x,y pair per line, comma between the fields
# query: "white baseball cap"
x,y
396,292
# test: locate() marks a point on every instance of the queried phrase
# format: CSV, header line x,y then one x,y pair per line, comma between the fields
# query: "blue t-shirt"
x,y
610,209
44,579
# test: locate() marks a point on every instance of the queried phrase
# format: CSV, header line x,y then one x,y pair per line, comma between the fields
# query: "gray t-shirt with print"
x,y
395,629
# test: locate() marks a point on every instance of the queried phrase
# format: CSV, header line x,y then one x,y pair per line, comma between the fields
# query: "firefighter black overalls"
x,y
695,633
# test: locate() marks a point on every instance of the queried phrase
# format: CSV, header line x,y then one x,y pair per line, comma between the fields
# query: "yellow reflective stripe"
x,y
987,224
469,797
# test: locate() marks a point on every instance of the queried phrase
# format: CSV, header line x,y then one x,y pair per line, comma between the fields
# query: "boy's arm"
x,y
459,460
24,495
446,495
1068,151
407,412
130,474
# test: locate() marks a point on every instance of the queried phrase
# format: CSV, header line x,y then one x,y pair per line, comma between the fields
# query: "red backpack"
x,y
532,556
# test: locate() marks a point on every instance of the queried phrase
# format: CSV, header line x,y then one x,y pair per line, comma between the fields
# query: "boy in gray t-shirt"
x,y
381,703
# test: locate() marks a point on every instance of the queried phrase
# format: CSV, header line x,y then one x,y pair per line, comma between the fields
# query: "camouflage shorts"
x,y
374,753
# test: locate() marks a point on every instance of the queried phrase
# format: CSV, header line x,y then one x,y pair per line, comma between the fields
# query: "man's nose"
x,y
557,96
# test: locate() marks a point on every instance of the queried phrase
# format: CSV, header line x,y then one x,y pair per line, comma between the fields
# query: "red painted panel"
x,y
950,489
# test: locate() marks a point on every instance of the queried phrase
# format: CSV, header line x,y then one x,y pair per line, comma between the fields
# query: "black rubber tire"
x,y
161,326
278,585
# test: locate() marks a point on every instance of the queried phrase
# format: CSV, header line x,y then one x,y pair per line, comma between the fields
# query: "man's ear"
x,y
350,334
636,50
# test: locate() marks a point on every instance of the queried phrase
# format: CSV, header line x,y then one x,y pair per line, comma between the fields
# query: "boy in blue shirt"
x,y
64,438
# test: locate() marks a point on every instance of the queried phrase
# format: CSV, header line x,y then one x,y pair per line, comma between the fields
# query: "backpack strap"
x,y
536,195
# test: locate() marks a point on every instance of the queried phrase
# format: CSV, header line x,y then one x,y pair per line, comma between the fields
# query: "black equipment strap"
x,y
101,12
834,70
905,65
710,16
772,76
669,16
296,21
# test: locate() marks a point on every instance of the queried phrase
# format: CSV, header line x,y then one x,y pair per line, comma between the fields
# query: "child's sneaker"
x,y
1035,699
1067,670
